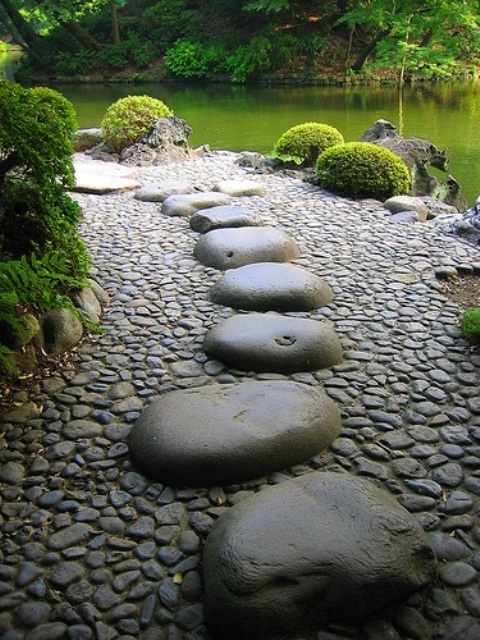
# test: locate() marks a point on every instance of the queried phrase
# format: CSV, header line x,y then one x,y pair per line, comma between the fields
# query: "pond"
x,y
252,118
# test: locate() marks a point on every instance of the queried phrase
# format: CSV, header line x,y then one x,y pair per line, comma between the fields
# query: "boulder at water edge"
x,y
222,217
279,344
186,204
230,248
225,434
271,286
310,551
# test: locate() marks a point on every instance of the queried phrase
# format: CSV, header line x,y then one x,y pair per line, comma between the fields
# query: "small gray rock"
x,y
222,217
185,205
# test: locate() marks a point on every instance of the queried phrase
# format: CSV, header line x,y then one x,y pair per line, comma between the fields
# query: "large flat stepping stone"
x,y
223,217
230,248
271,343
159,191
311,551
103,177
240,188
187,204
271,286
225,434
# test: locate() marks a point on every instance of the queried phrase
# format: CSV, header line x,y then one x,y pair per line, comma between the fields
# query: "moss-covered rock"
x,y
128,120
363,170
305,142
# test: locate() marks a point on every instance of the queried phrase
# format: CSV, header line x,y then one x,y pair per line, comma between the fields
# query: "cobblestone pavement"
x,y
92,549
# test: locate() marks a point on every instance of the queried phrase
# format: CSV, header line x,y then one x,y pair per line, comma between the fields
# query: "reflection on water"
x,y
253,118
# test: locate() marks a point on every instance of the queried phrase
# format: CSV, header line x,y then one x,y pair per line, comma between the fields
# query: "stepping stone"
x,y
240,188
271,286
222,217
159,191
103,177
225,434
315,550
186,204
403,204
274,343
230,248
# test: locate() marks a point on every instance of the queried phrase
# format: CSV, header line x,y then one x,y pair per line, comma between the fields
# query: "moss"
x,y
470,325
305,142
363,170
127,121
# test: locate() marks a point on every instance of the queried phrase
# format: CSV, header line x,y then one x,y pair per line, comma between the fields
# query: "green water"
x,y
252,118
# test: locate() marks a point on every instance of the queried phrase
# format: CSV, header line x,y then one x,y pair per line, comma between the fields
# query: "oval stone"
x,y
186,204
315,550
271,286
274,343
223,217
230,248
225,434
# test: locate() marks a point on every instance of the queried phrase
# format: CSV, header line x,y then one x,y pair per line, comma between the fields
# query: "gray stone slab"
x,y
319,549
159,191
271,286
240,187
274,343
103,177
187,204
230,248
223,217
225,434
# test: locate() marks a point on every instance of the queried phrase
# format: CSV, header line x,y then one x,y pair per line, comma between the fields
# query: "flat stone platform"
x,y
92,549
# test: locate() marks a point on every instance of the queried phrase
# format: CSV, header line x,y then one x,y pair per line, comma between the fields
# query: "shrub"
x,y
363,170
305,142
195,60
470,325
127,120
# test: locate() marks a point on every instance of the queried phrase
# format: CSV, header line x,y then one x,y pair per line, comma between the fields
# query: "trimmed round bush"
x,y
470,325
127,121
363,170
305,142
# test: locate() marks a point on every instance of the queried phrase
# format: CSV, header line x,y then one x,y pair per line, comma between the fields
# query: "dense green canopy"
x,y
195,39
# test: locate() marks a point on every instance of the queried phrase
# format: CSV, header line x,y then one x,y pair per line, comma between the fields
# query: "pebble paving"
x,y
91,549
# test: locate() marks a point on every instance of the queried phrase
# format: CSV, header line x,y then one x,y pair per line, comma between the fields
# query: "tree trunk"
x,y
369,49
28,35
81,35
115,26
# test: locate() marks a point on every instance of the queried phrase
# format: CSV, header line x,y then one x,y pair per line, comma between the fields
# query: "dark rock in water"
x,y
225,434
418,155
230,248
222,217
274,343
271,286
186,205
315,550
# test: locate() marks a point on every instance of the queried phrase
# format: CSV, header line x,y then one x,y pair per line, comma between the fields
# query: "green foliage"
x,y
127,120
305,142
167,21
266,52
131,50
470,325
363,170
42,256
194,60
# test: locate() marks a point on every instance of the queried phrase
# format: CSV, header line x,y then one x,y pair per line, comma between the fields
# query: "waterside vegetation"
x,y
242,41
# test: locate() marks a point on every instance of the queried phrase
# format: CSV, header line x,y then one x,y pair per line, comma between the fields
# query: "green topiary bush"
x,y
305,142
470,325
127,120
363,170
